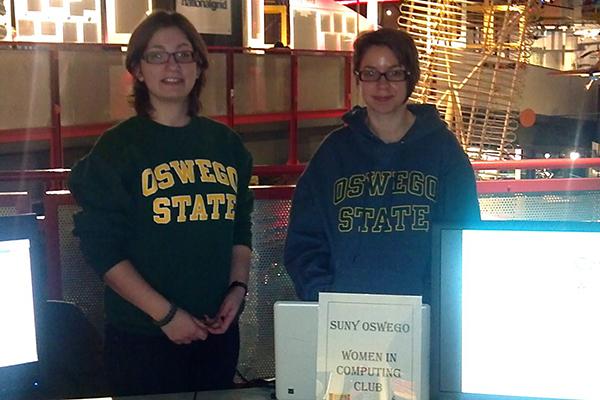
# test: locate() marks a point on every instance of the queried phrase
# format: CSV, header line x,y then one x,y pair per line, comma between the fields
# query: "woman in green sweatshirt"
x,y
165,222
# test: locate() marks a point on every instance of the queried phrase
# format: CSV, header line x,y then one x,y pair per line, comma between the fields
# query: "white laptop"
x,y
296,350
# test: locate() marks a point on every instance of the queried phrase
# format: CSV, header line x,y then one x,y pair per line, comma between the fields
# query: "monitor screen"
x,y
19,303
515,311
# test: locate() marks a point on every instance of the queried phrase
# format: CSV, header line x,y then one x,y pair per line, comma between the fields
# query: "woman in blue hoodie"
x,y
363,209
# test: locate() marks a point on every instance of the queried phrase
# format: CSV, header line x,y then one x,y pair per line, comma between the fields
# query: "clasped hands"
x,y
185,328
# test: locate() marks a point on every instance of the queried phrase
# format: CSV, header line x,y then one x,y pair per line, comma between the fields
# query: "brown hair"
x,y
400,43
137,46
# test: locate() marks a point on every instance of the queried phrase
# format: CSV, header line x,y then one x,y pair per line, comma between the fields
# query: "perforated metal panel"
x,y
268,283
80,284
8,210
566,206
13,203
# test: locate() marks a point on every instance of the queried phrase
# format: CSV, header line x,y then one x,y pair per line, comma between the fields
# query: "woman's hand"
x,y
184,328
227,312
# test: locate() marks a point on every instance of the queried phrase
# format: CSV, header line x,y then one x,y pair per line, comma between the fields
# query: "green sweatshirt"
x,y
173,201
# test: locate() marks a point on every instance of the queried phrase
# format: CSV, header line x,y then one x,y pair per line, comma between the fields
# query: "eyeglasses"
x,y
163,57
372,75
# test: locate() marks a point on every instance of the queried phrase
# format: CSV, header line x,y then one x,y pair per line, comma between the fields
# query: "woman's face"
x,y
171,81
382,97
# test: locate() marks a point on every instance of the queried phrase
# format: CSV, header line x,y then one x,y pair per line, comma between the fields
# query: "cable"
x,y
242,377
257,382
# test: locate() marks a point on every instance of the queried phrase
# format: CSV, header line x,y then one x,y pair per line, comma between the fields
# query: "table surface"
x,y
260,393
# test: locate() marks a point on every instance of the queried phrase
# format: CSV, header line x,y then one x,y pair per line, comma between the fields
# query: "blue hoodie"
x,y
362,210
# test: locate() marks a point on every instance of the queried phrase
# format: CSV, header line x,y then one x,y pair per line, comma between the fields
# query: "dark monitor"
x,y
515,311
20,301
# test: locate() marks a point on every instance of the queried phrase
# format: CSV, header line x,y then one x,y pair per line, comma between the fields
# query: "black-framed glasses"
x,y
392,75
163,57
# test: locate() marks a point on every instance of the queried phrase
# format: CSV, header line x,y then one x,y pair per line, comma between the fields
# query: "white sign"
x,y
208,16
369,347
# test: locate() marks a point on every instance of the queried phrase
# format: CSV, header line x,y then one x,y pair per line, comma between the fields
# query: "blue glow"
x,y
530,324
17,336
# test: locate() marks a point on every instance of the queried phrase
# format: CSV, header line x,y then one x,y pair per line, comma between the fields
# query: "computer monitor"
x,y
515,311
20,301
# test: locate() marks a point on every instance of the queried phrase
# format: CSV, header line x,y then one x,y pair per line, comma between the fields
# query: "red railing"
x,y
550,163
485,186
56,132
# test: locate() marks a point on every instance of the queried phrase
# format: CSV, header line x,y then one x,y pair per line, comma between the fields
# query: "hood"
x,y
427,122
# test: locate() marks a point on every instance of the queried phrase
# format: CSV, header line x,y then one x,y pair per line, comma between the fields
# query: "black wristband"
x,y
167,318
238,284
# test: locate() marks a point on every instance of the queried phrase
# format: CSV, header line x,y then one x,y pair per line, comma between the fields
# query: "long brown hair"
x,y
137,46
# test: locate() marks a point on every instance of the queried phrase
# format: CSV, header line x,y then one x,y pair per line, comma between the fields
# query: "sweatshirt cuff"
x,y
243,239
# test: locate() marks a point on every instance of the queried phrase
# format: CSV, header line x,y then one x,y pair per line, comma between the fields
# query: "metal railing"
x,y
57,132
61,174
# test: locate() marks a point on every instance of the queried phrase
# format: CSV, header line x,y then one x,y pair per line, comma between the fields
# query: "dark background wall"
x,y
233,40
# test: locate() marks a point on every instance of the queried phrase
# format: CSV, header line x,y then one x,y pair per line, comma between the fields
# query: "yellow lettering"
x,y
345,219
339,190
415,186
149,186
231,201
400,186
378,182
431,187
163,176
215,199
199,209
420,222
399,212
367,213
205,170
184,170
162,212
356,185
220,173
384,219
181,202
233,178
382,223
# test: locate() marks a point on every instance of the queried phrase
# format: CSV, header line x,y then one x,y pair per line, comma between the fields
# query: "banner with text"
x,y
369,347
208,16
